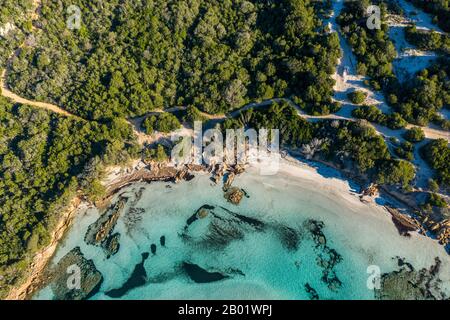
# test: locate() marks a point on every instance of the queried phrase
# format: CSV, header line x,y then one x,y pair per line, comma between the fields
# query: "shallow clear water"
x,y
260,262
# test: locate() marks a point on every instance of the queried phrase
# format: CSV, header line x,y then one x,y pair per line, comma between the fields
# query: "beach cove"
x,y
300,234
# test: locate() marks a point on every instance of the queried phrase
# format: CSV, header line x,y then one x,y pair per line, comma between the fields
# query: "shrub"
x,y
163,122
357,97
415,134
436,200
394,172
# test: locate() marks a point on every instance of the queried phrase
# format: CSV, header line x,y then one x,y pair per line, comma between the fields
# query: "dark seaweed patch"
x,y
162,241
138,278
200,275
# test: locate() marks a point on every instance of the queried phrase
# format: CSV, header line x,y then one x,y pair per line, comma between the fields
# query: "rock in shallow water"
x,y
234,195
111,245
410,284
65,277
100,233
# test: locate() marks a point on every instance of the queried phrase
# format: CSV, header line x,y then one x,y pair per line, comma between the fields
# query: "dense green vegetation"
x,y
13,13
294,131
395,172
131,56
164,122
357,97
374,114
427,40
373,48
157,153
352,145
436,200
405,151
417,101
414,135
440,9
437,154
428,92
44,160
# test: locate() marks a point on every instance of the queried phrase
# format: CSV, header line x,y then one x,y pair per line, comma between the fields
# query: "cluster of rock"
x,y
435,221
227,173
441,229
100,233
183,175
312,293
75,277
410,284
370,192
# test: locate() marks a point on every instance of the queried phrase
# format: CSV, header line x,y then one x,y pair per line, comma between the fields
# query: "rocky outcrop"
x,y
369,193
229,181
112,245
183,175
100,233
234,195
440,229
404,223
409,284
203,212
67,284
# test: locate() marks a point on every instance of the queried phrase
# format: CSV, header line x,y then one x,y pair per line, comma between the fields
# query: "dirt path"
x,y
7,93
43,105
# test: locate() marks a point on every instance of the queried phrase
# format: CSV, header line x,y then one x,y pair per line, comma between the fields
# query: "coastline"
x,y
43,256
117,178
120,177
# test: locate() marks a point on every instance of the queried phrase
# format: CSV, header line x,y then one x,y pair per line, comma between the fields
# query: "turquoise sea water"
x,y
264,247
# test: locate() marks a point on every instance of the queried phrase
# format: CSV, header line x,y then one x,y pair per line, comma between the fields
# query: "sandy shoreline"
x,y
337,184
43,256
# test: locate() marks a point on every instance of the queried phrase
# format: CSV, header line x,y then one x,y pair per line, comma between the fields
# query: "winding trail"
x,y
43,105
346,77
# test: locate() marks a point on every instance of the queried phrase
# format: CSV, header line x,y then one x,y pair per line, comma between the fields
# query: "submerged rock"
x,y
112,245
219,228
312,293
132,217
409,284
153,248
100,233
201,213
138,278
327,258
67,284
